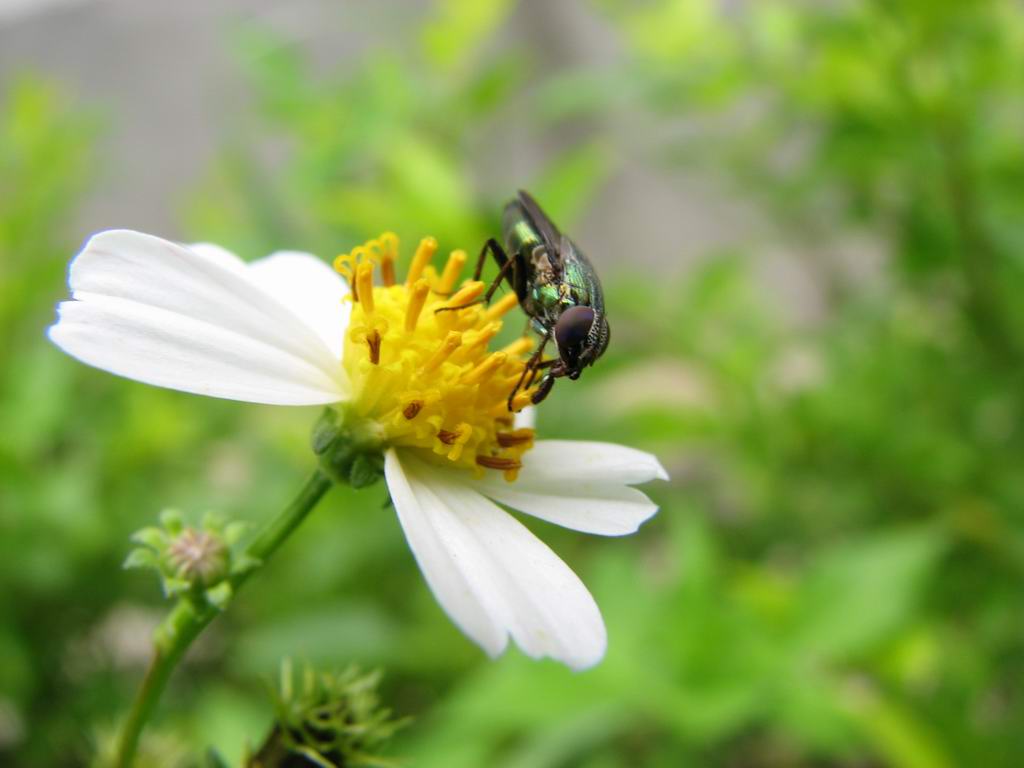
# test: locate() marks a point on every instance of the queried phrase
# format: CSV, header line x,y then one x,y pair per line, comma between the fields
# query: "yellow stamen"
x,y
373,341
456,439
389,246
424,253
498,462
502,306
515,437
415,372
364,286
456,261
521,400
467,294
509,382
451,342
485,369
417,298
483,336
520,346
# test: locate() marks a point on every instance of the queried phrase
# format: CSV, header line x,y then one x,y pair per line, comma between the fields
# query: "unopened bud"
x,y
200,557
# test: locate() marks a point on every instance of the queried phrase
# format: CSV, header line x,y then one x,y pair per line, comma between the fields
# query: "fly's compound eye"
x,y
571,333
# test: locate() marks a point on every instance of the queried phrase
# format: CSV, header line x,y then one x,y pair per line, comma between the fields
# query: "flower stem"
x,y
191,615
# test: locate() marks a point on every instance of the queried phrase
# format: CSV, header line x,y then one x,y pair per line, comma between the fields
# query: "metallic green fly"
x,y
557,288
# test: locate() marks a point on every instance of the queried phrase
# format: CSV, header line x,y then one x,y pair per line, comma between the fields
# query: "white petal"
x,y
491,575
605,510
300,281
572,460
158,347
168,315
310,289
579,485
451,567
218,254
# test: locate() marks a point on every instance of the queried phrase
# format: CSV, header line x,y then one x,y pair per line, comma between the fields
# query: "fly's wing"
x,y
570,265
579,274
545,226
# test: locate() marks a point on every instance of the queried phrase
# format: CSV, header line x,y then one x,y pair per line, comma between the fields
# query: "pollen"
x,y
417,355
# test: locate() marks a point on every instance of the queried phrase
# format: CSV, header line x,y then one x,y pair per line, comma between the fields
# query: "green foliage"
x,y
835,577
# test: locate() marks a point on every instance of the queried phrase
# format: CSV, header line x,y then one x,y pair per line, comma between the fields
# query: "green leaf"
x,y
862,592
460,29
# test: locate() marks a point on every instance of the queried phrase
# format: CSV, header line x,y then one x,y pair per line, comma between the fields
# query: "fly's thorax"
x,y
548,301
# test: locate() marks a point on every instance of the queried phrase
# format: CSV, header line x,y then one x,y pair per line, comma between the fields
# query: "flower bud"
x,y
199,557
191,560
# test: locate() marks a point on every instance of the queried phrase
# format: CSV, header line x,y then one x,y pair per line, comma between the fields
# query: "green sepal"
x,y
348,463
173,586
245,563
325,431
213,521
141,558
220,595
336,460
347,455
234,531
366,469
173,521
151,537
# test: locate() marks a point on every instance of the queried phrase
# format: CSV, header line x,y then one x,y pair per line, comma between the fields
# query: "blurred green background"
x,y
807,218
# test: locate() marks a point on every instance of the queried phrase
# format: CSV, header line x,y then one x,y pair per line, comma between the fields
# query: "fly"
x,y
557,288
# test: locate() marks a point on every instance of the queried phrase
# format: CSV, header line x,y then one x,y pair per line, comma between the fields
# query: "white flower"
x,y
283,331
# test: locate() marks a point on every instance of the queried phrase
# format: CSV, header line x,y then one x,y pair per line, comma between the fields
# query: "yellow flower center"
x,y
417,356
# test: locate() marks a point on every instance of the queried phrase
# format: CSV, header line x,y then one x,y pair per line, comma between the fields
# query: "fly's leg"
x,y
538,367
491,246
544,389
506,272
531,367
506,268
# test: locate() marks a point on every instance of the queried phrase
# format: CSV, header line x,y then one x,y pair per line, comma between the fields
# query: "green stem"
x,y
190,615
